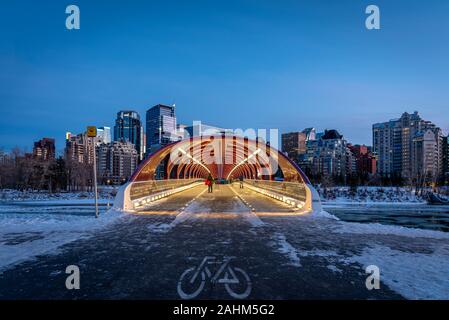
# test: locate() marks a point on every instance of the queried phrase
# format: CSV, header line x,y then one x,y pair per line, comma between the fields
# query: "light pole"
x,y
95,179
92,133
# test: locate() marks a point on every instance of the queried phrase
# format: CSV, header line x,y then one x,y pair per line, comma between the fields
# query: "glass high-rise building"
x,y
128,128
161,127
104,135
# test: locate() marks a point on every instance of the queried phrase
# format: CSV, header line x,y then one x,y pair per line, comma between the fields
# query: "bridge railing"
x,y
147,188
290,189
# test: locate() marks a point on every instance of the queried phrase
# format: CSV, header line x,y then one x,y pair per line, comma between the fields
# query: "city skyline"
x,y
303,65
59,152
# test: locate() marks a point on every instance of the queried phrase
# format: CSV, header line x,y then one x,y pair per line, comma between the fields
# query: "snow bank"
x,y
323,214
377,195
382,229
8,195
26,236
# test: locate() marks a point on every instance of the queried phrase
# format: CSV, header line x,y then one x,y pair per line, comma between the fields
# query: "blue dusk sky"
x,y
235,64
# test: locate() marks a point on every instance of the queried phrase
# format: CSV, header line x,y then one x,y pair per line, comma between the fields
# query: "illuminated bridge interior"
x,y
179,170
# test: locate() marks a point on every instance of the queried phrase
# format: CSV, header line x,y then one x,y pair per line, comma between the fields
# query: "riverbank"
x,y
370,195
105,195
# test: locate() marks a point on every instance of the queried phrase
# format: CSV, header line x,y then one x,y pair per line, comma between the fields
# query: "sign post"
x,y
92,133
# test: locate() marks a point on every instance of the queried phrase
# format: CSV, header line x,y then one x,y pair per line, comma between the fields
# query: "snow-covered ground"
x,y
26,234
413,275
412,262
8,195
33,223
378,195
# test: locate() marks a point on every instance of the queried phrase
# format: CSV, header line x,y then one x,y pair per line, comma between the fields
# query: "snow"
x,y
187,212
26,236
182,216
241,206
369,195
284,247
89,201
377,228
418,274
413,275
334,268
345,201
320,253
323,214
381,229
8,195
249,216
30,231
331,257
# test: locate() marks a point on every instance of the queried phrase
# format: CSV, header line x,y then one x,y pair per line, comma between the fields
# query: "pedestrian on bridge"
x,y
210,183
241,181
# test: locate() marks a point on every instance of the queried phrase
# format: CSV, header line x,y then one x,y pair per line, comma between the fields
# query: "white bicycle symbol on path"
x,y
235,280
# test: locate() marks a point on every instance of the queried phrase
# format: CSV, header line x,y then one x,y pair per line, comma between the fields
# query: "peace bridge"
x,y
183,166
